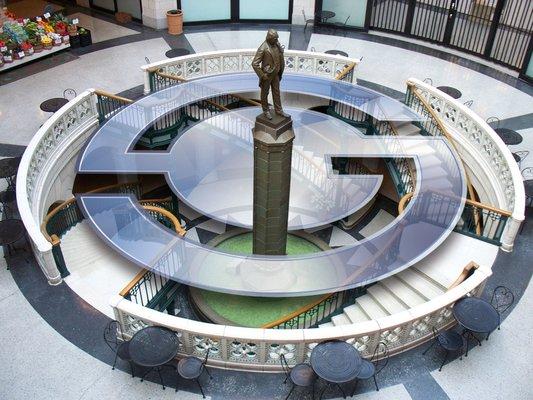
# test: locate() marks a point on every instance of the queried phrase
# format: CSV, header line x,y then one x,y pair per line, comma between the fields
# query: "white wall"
x,y
308,6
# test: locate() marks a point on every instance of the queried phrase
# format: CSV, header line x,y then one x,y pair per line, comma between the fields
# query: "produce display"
x,y
22,37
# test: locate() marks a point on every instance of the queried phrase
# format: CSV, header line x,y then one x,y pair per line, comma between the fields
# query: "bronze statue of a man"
x,y
268,64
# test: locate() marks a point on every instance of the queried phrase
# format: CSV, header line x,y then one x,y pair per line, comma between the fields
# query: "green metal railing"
x,y
153,291
317,312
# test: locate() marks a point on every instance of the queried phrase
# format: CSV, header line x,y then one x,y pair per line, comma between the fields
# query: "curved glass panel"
x,y
426,222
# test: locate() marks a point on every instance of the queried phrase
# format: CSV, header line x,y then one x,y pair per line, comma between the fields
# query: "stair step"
x,y
421,285
402,292
340,319
387,300
430,275
355,313
326,325
406,129
371,307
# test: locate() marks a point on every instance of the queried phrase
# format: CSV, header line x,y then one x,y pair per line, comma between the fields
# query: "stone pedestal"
x,y
272,180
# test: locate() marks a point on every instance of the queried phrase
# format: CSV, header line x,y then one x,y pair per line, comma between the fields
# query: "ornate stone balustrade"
x,y
484,153
54,146
259,349
228,61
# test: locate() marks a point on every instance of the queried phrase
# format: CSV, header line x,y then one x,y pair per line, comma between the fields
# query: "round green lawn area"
x,y
257,311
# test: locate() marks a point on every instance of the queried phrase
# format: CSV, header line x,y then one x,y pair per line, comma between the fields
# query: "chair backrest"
x,y
346,22
435,332
382,352
206,355
469,103
147,60
527,173
502,299
69,94
110,334
303,13
285,365
428,81
491,120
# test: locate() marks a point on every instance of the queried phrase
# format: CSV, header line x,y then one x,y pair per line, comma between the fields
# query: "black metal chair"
x,y
69,94
429,81
191,368
502,298
469,103
341,25
120,348
450,341
520,156
301,375
493,120
369,369
147,60
307,20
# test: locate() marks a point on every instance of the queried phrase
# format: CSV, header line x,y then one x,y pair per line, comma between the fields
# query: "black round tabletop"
x,y
528,187
509,136
177,52
450,91
8,167
52,105
7,196
337,53
324,14
153,346
336,361
476,315
11,230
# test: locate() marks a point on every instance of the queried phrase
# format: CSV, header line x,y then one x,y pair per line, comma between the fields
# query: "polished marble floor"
x,y
47,357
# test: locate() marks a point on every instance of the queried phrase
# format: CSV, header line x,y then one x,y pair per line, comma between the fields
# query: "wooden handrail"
x,y
113,96
175,222
133,282
466,271
405,199
345,71
403,202
168,76
299,311
69,201
447,135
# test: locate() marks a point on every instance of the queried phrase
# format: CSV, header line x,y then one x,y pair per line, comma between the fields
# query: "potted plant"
x,y
18,54
72,29
61,28
47,42
85,37
8,57
27,48
36,43
175,22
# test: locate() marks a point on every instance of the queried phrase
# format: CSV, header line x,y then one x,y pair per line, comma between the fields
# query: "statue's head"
x,y
272,36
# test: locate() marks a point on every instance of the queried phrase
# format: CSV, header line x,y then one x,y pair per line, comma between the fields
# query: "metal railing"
x,y
67,215
478,220
312,314
151,290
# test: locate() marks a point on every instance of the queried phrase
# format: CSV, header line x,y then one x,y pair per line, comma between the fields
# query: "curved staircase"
x,y
419,283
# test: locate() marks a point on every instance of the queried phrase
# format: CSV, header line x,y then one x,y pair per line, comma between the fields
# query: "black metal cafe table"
x,y
53,105
450,91
335,362
8,169
509,136
11,231
154,347
337,53
324,15
177,52
476,316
